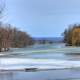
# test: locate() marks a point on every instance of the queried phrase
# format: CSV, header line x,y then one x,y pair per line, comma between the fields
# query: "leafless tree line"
x,y
12,37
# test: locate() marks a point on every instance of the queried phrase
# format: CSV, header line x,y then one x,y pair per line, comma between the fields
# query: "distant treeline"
x,y
72,35
12,37
48,40
43,41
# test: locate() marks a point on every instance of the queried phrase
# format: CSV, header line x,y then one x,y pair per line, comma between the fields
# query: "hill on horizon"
x,y
53,39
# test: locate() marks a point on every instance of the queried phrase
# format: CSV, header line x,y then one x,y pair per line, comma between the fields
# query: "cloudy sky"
x,y
42,18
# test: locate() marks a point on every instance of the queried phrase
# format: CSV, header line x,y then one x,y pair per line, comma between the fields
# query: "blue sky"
x,y
42,18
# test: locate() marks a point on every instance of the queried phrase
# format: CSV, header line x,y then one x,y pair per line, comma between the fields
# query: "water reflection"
x,y
42,75
73,56
6,76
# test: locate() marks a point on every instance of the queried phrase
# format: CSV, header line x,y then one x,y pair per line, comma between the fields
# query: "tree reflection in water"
x,y
6,76
73,56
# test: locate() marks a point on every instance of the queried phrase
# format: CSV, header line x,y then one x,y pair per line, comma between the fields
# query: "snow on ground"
x,y
21,63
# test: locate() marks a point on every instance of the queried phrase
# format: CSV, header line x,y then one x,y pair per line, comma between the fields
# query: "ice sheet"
x,y
21,63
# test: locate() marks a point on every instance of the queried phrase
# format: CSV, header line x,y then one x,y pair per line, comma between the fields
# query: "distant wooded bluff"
x,y
48,40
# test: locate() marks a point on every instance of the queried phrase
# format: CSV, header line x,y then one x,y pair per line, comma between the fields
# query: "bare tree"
x,y
2,8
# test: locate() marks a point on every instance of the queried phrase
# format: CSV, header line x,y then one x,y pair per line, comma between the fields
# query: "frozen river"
x,y
55,61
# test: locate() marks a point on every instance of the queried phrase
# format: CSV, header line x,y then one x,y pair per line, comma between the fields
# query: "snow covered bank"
x,y
39,64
